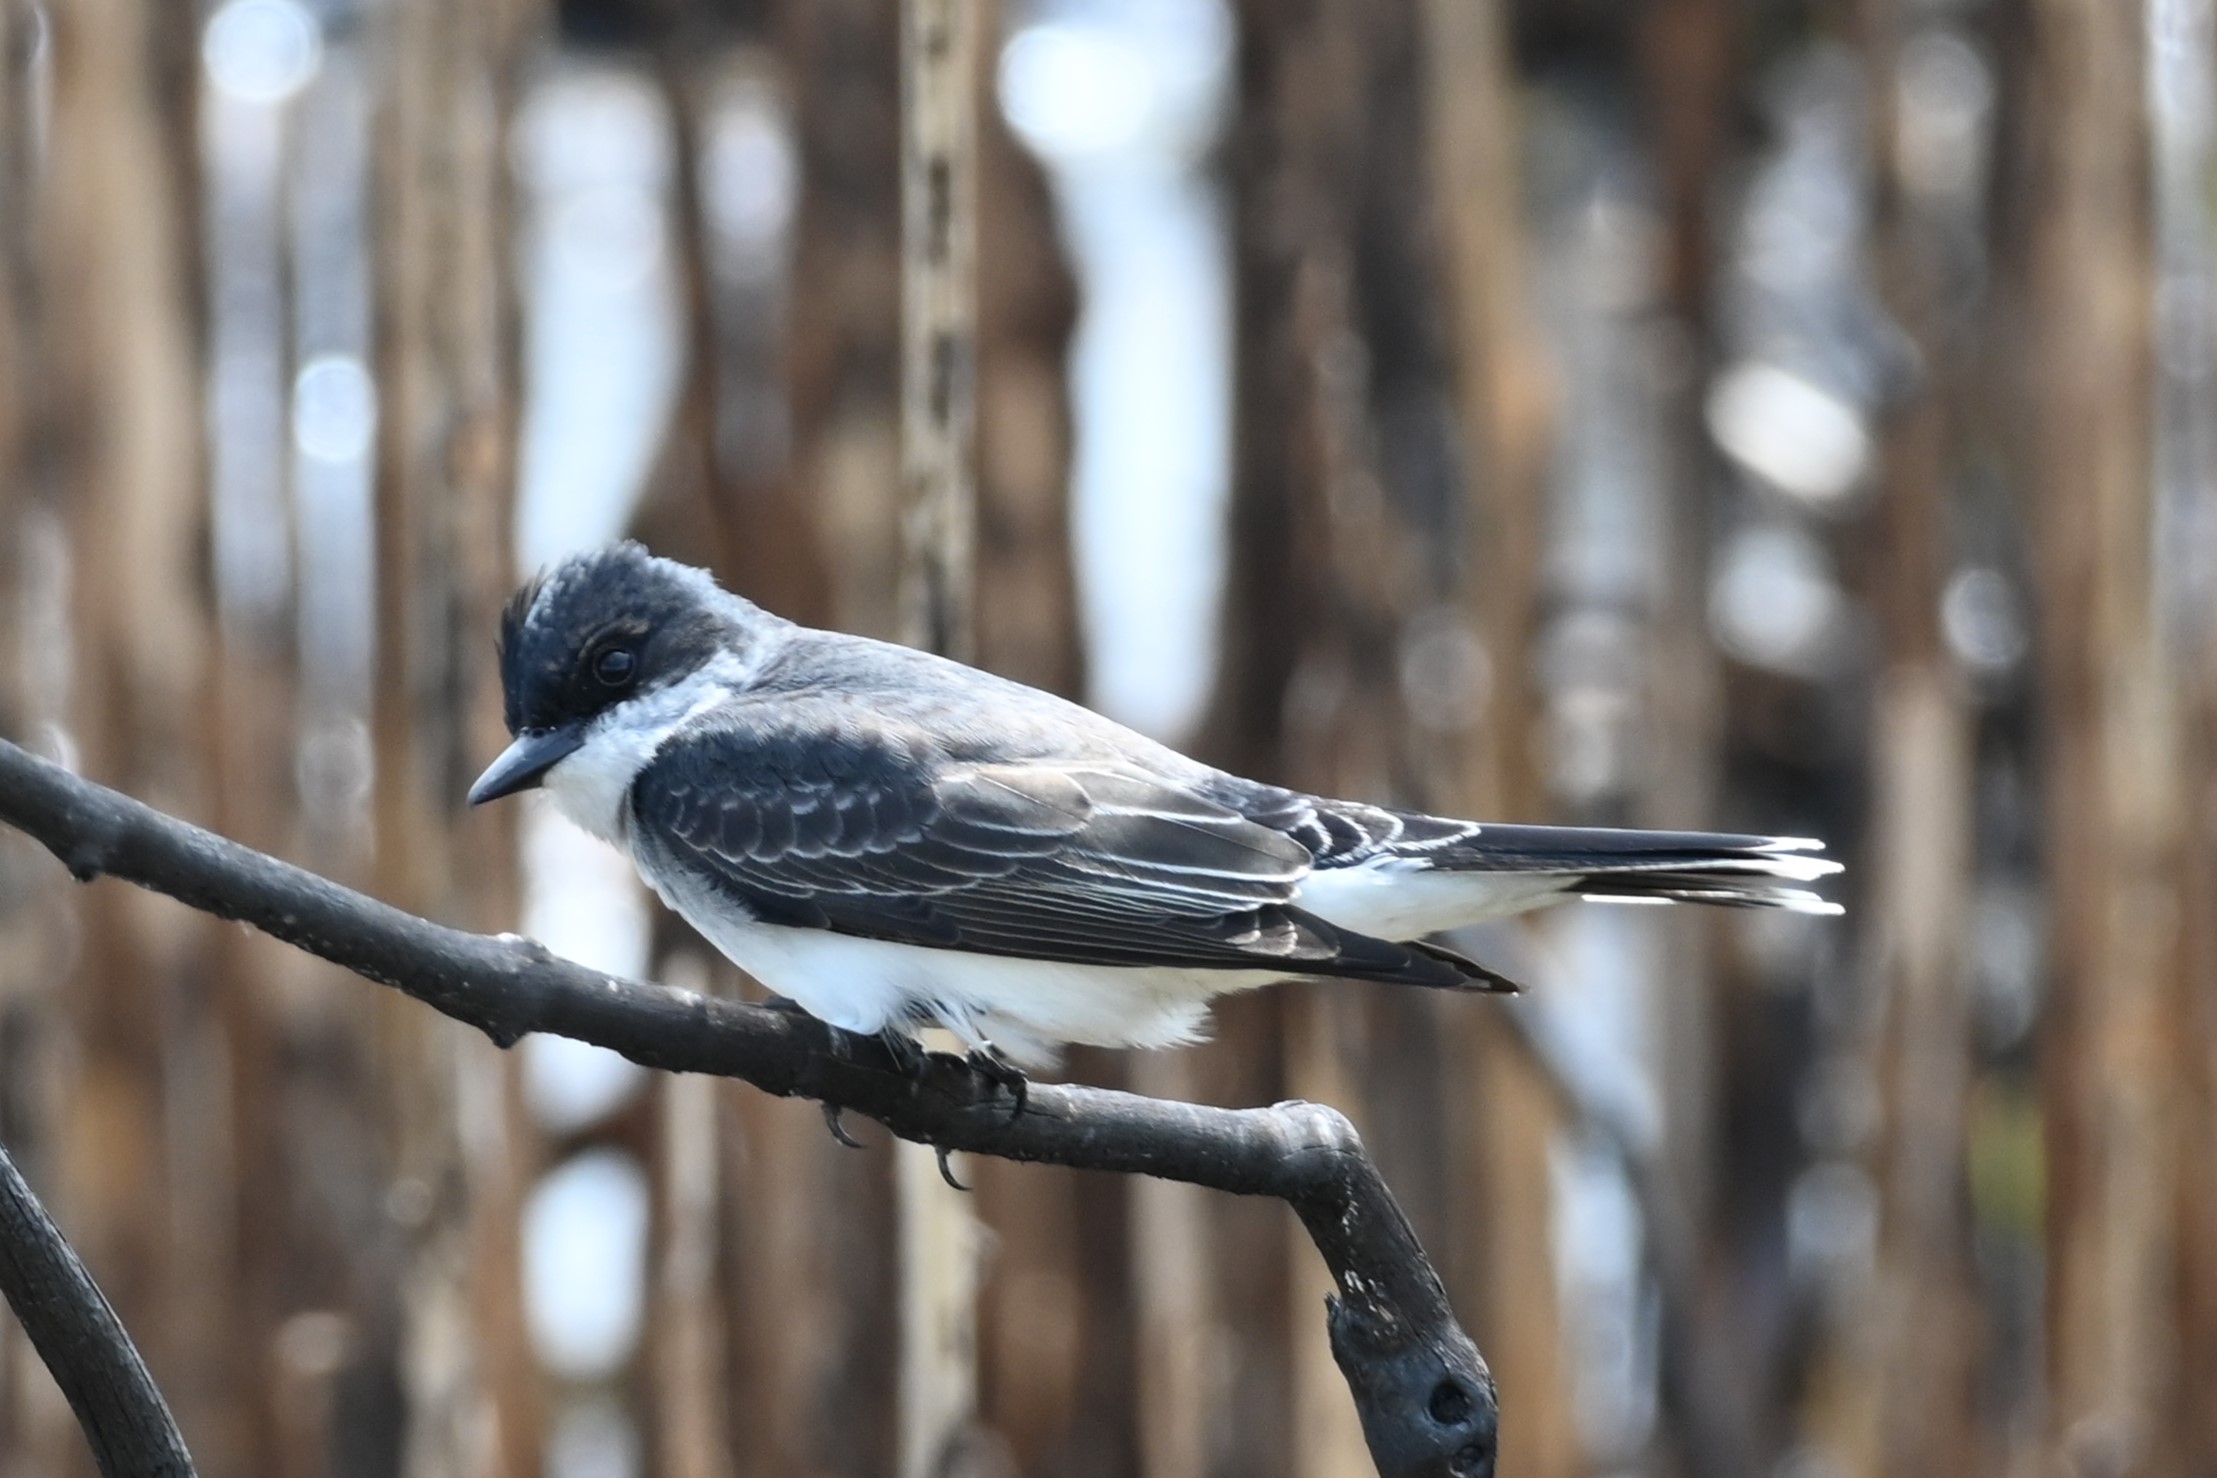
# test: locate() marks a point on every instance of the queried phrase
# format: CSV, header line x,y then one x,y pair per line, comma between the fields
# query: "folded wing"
x,y
874,833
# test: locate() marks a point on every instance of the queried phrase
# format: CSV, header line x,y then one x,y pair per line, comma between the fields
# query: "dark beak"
x,y
523,764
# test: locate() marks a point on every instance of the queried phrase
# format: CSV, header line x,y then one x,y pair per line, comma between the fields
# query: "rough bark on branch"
x,y
1423,1392
126,1422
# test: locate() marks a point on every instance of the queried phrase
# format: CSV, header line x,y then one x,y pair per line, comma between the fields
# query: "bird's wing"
x,y
869,832
1348,833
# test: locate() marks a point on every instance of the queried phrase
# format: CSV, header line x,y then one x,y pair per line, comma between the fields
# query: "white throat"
x,y
592,784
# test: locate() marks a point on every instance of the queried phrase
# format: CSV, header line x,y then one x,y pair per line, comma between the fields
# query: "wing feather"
x,y
879,835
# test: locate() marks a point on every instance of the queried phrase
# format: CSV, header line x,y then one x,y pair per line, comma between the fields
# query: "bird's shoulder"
x,y
967,711
760,778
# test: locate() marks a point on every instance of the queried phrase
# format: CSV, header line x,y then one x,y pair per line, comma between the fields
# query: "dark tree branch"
x,y
1426,1400
82,1342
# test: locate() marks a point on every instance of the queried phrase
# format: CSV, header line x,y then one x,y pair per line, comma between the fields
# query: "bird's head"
x,y
596,639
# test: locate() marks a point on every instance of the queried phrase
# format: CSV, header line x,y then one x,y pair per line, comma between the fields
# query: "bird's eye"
x,y
616,666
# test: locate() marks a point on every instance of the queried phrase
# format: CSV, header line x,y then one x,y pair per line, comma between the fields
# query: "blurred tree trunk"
x,y
810,1271
1054,1333
1294,145
244,1229
2181,79
940,1239
34,1426
2112,1034
120,440
687,1337
734,1274
723,491
1357,608
447,355
1027,605
1502,396
760,512
1724,1080
19,305
1503,1119
843,326
1911,1395
2194,1416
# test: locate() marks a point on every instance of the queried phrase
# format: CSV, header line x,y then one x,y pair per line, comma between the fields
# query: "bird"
x,y
889,840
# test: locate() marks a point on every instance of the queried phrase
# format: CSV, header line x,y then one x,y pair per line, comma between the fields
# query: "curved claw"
x,y
838,1127
946,1171
1002,1074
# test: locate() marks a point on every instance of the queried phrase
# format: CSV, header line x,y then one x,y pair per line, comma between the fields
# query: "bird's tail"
x,y
1613,866
1434,874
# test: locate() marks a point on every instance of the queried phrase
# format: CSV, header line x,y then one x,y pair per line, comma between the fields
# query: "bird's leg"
x,y
946,1171
1000,1075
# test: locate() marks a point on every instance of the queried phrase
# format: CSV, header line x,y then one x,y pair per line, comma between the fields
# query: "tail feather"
x,y
1444,875
1727,890
1605,865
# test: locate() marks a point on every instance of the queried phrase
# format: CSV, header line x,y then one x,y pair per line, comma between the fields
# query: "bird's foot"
x,y
946,1171
909,1057
838,1126
1000,1076
842,1047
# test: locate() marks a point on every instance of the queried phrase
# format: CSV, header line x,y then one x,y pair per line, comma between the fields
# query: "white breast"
x,y
591,785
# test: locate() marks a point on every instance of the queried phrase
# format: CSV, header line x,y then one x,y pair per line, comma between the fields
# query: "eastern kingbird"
x,y
894,840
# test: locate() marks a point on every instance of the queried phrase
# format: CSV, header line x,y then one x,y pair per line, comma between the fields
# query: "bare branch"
x,y
1426,1400
125,1420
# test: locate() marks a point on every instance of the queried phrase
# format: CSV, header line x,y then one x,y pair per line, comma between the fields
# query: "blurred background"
x,y
1791,416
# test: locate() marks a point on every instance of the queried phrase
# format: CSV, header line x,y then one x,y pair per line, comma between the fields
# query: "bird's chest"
x,y
592,786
